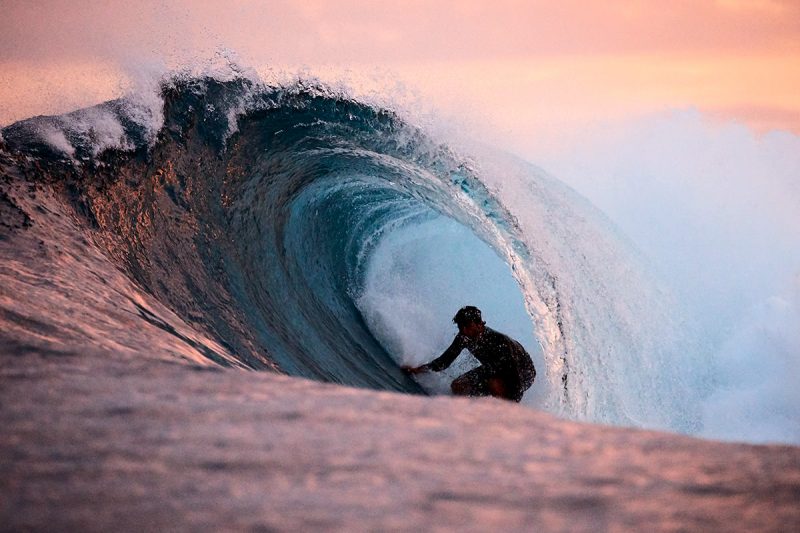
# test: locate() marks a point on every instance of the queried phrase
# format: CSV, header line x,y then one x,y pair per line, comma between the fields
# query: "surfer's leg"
x,y
497,387
472,383
506,386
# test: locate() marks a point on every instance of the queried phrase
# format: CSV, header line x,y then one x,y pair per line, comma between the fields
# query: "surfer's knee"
x,y
497,387
460,387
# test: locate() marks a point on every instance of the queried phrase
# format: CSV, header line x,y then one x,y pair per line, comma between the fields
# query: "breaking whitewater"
x,y
229,224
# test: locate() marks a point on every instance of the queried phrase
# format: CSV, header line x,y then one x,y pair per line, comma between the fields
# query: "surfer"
x,y
506,369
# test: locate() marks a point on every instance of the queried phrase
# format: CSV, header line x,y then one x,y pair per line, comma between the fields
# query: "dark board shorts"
x,y
480,378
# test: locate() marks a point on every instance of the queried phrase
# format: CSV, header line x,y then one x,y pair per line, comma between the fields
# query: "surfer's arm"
x,y
449,355
441,362
415,369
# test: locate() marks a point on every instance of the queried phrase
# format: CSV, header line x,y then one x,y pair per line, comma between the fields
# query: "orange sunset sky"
x,y
527,67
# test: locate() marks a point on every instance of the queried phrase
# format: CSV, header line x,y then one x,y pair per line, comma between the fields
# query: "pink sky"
x,y
527,66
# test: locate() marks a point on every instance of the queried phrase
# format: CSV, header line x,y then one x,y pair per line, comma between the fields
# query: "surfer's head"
x,y
469,321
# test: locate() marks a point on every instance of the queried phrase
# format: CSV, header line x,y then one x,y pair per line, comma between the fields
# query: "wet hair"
x,y
468,315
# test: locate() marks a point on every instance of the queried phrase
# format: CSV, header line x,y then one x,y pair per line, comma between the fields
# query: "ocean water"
x,y
298,228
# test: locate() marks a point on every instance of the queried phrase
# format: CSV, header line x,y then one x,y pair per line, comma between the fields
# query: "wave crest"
x,y
253,212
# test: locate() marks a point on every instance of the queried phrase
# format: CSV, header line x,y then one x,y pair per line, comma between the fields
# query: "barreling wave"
x,y
253,212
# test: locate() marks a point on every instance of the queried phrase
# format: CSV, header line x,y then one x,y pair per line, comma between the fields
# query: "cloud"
x,y
620,57
359,30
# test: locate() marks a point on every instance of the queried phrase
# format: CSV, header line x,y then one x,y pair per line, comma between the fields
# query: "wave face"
x,y
279,221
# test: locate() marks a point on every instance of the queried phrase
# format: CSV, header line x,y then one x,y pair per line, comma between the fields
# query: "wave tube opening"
x,y
416,279
376,271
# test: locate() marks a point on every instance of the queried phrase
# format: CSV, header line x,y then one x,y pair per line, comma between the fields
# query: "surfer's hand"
x,y
413,369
